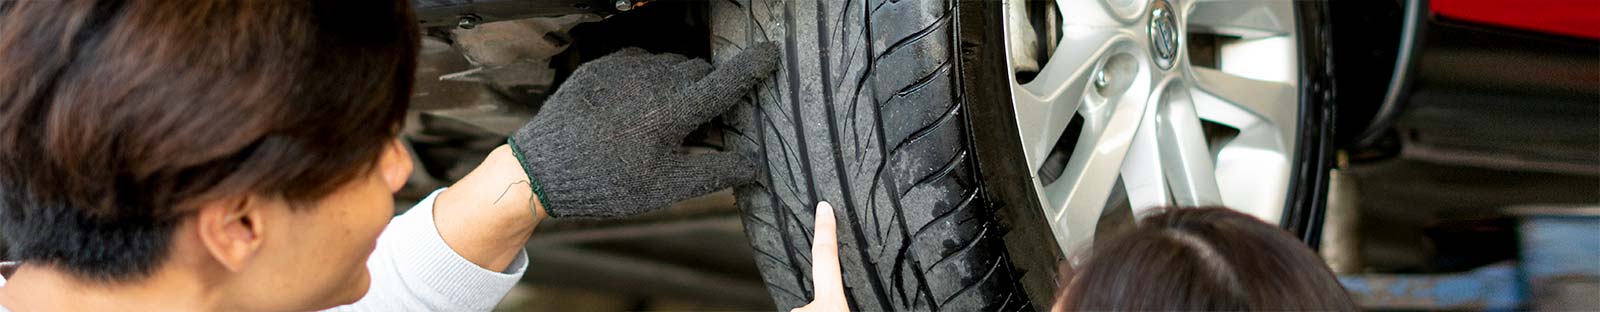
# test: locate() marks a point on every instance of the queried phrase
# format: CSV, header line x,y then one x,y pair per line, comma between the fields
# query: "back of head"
x,y
1203,259
117,117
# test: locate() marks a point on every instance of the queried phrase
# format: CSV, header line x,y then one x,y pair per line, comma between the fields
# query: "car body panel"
x,y
1577,18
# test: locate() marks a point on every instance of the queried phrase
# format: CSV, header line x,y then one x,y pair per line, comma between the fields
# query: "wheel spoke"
x,y
1101,13
1251,170
1046,105
1215,109
1253,174
1073,202
1040,122
1185,155
1142,172
1074,59
1273,102
1242,18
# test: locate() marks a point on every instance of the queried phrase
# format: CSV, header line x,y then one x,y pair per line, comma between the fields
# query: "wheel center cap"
x,y
1163,33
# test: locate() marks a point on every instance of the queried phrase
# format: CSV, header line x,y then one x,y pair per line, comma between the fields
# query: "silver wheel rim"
x,y
1143,105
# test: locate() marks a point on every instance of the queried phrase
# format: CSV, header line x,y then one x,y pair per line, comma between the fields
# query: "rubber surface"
x,y
866,114
1308,182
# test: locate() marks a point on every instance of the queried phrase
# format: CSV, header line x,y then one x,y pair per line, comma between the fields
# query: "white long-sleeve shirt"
x,y
413,270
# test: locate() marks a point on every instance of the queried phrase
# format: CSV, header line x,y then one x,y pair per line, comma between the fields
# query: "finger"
x,y
828,280
691,71
719,90
699,174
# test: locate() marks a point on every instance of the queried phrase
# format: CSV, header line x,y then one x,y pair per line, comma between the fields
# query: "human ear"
x,y
231,229
395,165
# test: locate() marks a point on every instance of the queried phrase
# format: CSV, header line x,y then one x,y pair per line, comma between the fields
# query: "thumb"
x,y
699,174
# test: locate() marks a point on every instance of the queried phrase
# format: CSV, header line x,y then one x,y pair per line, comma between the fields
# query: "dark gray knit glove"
x,y
604,144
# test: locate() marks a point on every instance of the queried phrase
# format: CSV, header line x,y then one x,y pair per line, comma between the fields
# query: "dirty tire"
x,y
865,113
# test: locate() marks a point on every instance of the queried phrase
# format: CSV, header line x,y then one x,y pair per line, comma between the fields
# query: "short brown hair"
x,y
118,117
1207,259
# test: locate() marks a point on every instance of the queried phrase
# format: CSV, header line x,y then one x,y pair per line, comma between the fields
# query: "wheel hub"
x,y
1163,34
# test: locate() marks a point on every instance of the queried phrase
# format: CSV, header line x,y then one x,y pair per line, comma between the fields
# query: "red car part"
x,y
1577,18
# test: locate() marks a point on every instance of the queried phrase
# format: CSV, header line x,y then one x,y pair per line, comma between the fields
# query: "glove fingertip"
x,y
744,171
764,56
756,61
729,81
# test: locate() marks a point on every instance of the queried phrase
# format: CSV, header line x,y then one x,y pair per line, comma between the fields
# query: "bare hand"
x,y
827,281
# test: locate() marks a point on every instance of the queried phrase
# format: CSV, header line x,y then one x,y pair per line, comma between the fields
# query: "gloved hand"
x,y
604,144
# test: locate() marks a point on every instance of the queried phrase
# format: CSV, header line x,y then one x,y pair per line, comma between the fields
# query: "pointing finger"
x,y
825,273
723,87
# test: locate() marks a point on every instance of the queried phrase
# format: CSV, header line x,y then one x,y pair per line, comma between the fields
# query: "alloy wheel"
x,y
1126,105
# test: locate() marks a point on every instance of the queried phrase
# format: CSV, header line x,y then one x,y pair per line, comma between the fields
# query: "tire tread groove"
x,y
886,254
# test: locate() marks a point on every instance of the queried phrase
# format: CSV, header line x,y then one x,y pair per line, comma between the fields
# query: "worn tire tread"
x,y
880,135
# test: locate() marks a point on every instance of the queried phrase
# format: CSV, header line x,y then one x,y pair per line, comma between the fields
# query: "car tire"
x,y
875,109
865,113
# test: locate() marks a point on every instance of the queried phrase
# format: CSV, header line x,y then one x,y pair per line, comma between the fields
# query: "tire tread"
x,y
879,135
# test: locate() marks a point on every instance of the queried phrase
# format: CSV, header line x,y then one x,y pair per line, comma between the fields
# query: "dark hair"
x,y
118,117
1203,259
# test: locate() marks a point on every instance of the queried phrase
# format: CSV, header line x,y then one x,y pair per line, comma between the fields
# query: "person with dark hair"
x,y
1177,259
1207,258
241,155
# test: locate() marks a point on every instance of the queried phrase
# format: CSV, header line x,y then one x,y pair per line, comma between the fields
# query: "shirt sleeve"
x,y
413,270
